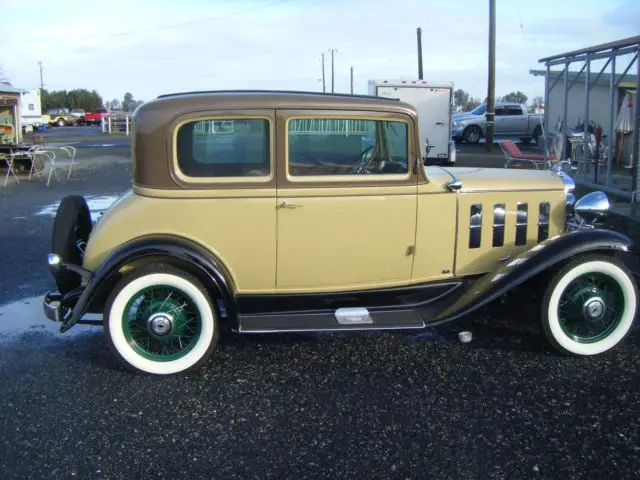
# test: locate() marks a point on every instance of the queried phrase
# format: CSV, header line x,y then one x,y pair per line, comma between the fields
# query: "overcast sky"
x,y
161,46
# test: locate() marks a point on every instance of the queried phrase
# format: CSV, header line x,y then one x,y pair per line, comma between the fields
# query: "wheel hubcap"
x,y
161,323
594,308
590,307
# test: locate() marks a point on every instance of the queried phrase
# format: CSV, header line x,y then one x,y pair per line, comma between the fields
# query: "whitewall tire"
x,y
160,320
590,305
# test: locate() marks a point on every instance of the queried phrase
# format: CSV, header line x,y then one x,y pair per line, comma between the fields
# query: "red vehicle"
x,y
95,116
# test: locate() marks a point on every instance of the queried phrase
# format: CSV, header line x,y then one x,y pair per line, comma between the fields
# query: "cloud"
x,y
280,46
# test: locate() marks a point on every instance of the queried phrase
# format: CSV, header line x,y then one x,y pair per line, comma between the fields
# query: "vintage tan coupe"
x,y
289,212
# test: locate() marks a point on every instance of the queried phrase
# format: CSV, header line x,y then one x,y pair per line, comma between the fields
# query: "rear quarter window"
x,y
222,148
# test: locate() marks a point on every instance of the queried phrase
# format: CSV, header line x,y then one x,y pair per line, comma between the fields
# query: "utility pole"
x,y
492,75
324,88
420,73
351,80
332,70
41,80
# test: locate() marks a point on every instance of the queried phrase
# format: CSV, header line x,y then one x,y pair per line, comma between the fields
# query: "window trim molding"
x,y
353,179
183,178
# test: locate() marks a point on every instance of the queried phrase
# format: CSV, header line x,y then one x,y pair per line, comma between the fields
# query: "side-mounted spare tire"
x,y
71,229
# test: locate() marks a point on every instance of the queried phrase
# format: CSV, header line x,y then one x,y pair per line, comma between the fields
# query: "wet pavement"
x,y
358,405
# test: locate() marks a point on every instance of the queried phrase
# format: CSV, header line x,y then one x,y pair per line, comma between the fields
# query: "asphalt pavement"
x,y
354,405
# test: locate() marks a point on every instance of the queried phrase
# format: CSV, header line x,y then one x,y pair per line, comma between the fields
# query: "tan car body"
x,y
349,233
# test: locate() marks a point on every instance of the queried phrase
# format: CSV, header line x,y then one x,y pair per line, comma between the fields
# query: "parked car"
x,y
262,212
60,117
95,116
512,120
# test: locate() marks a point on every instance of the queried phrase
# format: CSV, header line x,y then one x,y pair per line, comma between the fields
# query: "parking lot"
x,y
360,405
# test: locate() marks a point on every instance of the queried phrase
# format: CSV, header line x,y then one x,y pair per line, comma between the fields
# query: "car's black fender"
x,y
176,250
517,270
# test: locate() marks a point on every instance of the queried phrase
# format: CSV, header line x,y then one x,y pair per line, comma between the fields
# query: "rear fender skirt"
x,y
521,268
173,247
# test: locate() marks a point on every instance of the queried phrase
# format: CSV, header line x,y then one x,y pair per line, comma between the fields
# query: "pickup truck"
x,y
95,116
511,120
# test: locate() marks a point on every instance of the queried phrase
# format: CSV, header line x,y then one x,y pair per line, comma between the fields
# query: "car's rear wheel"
x,y
589,305
536,134
472,134
71,229
160,320
61,122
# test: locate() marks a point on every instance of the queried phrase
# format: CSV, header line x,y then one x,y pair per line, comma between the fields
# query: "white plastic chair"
x,y
9,162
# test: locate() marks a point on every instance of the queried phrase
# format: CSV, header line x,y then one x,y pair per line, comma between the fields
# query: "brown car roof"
x,y
155,120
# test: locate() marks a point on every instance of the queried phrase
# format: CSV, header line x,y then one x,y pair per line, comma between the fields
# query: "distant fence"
x,y
117,124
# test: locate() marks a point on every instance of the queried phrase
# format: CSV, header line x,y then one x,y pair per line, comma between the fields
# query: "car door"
x,y
501,121
346,200
518,123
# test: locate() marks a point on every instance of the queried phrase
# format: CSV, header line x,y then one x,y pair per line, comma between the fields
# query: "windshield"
x,y
479,110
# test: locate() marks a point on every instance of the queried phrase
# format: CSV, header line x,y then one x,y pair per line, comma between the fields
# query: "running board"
x,y
343,319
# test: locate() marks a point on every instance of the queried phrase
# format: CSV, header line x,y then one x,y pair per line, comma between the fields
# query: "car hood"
x,y
499,179
458,117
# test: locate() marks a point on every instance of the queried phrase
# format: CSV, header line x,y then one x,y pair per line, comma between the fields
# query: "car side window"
x,y
231,147
340,146
514,111
501,111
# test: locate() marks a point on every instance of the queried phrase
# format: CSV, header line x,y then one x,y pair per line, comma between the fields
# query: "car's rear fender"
x,y
535,261
177,251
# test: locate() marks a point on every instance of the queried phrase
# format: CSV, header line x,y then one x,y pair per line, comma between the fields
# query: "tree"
x,y
515,97
113,104
79,98
463,101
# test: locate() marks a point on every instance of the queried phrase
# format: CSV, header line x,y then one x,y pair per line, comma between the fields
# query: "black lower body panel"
x,y
327,321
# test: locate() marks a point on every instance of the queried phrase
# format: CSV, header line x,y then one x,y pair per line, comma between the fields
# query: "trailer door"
x,y
433,105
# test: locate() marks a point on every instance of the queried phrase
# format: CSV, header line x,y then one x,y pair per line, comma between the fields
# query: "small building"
x,y
10,113
599,111
31,111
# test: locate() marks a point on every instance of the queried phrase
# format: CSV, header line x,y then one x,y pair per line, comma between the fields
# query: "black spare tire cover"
x,y
71,228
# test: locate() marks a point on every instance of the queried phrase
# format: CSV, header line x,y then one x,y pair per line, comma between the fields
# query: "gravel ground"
x,y
362,405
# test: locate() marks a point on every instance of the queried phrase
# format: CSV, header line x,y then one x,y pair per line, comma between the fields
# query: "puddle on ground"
x,y
26,316
97,205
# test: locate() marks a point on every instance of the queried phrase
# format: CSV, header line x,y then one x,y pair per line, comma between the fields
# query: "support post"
x,y
612,120
324,85
351,80
109,124
492,77
635,150
420,72
545,121
565,109
126,125
104,125
585,134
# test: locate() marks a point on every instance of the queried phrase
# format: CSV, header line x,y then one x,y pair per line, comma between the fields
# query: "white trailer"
x,y
31,112
433,101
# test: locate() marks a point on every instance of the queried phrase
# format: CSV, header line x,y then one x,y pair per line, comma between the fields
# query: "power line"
x,y
186,24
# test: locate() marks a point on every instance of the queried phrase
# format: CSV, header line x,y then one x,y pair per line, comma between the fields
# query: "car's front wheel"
x,y
590,305
472,134
160,320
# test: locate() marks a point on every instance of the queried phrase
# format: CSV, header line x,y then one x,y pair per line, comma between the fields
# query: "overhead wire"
x,y
185,24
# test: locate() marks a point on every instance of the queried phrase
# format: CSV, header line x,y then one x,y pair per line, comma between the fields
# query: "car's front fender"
x,y
515,271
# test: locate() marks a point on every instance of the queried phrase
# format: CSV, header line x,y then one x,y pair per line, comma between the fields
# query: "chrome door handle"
x,y
288,205
440,123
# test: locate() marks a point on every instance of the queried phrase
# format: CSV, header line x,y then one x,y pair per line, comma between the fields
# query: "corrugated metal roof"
x,y
625,42
603,80
8,88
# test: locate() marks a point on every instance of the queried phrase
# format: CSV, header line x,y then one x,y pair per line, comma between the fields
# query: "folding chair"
x,y
71,151
8,161
514,156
